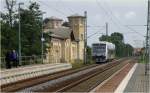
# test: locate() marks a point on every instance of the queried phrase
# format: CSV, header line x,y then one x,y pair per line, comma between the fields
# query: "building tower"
x,y
77,24
53,22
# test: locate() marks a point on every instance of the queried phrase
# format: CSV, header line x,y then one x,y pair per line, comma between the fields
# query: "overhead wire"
x,y
68,8
135,31
95,33
136,25
131,29
107,14
57,10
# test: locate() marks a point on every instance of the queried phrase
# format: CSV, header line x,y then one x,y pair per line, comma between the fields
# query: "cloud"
x,y
130,15
70,0
117,14
127,1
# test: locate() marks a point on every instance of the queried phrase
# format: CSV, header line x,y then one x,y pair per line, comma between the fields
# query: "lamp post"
x,y
19,43
42,38
85,37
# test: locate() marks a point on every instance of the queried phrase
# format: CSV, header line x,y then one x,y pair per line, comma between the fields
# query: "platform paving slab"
x,y
139,82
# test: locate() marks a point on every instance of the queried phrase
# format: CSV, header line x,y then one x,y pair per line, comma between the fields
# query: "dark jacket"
x,y
13,56
8,56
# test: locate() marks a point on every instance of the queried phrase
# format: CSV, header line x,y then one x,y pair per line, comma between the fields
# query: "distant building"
x,y
138,51
67,43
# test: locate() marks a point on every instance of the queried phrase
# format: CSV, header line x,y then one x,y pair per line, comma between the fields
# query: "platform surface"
x,y
20,73
139,82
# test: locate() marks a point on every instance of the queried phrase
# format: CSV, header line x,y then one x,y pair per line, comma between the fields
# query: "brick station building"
x,y
67,43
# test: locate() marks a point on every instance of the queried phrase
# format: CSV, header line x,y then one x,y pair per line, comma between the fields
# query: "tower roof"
x,y
76,16
55,18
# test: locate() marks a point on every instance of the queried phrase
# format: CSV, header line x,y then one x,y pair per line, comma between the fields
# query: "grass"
x,y
142,59
76,65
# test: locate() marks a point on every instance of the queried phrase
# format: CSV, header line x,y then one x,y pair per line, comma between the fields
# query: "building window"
x,y
57,23
82,37
82,22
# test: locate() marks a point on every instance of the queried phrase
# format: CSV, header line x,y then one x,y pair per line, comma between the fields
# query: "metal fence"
x,y
30,60
25,60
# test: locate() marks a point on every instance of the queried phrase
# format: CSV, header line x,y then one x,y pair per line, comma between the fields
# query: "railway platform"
x,y
20,73
136,81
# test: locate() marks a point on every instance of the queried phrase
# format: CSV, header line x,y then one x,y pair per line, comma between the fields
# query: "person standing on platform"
x,y
8,60
14,57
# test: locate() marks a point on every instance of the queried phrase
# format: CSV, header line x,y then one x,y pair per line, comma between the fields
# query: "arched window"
x,y
82,38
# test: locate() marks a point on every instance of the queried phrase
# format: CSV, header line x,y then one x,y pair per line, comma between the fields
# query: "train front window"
x,y
102,48
99,48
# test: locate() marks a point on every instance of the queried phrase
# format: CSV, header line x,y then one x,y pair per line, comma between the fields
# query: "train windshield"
x,y
99,48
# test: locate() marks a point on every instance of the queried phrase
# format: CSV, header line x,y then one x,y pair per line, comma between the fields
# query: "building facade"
x,y
67,43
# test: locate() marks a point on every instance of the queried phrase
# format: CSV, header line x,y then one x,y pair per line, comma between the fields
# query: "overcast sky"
x,y
118,14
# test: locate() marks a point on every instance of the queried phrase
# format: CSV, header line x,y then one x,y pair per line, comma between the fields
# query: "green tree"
x,y
129,50
31,27
66,24
117,39
122,49
8,35
117,36
8,38
105,38
31,30
89,54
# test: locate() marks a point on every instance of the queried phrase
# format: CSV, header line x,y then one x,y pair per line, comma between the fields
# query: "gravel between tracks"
x,y
56,84
41,83
12,87
91,83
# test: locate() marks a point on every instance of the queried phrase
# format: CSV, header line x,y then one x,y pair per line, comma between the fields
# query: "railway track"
x,y
56,82
89,82
21,84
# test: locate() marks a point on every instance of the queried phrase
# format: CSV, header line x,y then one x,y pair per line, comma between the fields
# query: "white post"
x,y
42,39
19,33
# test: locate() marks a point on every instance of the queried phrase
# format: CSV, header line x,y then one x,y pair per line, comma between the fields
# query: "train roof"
x,y
109,44
104,42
